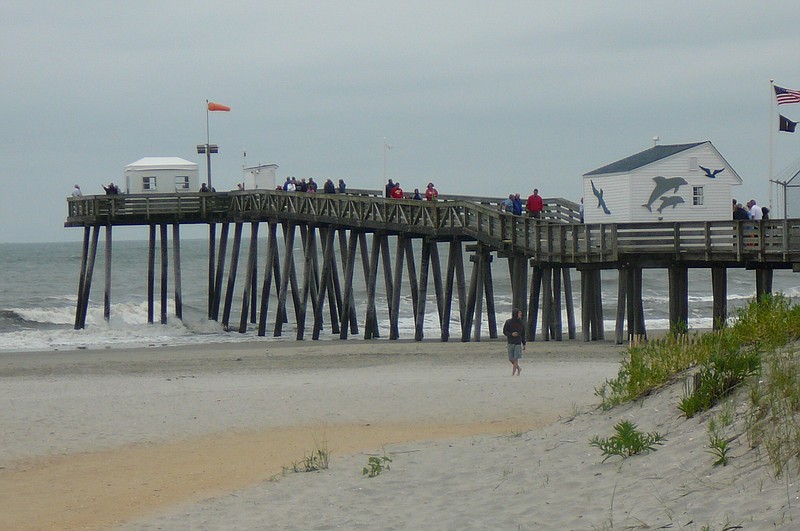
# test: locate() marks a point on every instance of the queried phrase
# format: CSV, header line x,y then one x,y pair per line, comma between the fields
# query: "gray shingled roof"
x,y
643,158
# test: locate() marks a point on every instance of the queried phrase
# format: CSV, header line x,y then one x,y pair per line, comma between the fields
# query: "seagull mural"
x,y
669,201
709,173
663,185
600,201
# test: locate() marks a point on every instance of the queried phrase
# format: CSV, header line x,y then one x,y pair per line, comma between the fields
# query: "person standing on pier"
x,y
76,191
397,192
514,330
535,205
431,193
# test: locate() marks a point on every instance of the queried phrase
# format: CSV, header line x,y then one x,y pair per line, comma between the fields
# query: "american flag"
x,y
786,95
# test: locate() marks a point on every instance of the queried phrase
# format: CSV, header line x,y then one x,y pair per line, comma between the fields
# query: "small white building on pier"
x,y
161,175
679,182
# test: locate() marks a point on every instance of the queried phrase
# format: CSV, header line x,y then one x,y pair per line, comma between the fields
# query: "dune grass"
x,y
759,349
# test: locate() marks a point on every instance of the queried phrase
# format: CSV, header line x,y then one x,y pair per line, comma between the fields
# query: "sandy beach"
x,y
200,438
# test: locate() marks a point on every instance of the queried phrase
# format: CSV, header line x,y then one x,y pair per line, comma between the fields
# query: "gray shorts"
x,y
514,352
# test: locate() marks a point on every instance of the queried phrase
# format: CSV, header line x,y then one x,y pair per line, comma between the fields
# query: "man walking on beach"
x,y
514,330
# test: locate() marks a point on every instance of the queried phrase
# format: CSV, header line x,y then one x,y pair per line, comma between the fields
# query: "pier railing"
x,y
557,238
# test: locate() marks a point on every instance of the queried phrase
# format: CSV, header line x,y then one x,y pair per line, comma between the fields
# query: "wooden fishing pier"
x,y
539,253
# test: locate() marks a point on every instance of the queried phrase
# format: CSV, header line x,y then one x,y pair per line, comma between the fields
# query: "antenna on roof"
x,y
655,140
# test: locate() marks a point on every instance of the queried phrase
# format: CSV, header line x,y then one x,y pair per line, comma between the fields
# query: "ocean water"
x,y
39,286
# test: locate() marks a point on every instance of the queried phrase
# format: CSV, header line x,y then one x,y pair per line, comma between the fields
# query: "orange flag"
x,y
217,107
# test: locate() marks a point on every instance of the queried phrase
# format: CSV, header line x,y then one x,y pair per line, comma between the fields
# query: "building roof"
x,y
643,158
161,163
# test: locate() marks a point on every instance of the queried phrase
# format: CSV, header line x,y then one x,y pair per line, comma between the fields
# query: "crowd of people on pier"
x,y
533,206
395,191
751,212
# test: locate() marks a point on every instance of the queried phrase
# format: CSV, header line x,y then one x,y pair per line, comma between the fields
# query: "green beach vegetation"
x,y
758,353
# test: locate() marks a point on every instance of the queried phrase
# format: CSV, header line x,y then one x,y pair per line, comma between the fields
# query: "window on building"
x,y
149,183
181,183
697,195
693,164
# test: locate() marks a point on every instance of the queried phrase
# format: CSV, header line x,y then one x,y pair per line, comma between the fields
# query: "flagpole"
x,y
384,165
208,150
771,136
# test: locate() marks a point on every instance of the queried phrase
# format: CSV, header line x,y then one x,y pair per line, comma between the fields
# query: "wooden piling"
x,y
164,272
176,269
107,290
151,265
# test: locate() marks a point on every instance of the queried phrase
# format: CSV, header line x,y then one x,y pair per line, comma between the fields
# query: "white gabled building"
x,y
679,182
161,175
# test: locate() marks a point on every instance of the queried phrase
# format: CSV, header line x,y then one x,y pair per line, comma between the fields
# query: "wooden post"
x,y
571,332
272,244
387,273
176,269
334,287
547,303
212,244
678,298
328,260
237,242
466,324
412,276
254,273
223,245
419,320
556,308
436,267
622,300
763,282
371,322
164,271
348,310
533,303
586,301
394,332
151,265
309,252
80,321
252,256
348,301
286,266
107,291
719,289
599,324
367,268
488,284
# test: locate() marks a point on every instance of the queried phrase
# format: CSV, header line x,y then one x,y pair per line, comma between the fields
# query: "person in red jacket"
x,y
397,192
535,205
431,193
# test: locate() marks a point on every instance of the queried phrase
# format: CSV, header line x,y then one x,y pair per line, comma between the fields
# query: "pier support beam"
x,y
107,291
592,306
678,299
176,269
719,290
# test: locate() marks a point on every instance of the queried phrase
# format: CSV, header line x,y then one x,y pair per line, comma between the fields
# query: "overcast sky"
x,y
483,98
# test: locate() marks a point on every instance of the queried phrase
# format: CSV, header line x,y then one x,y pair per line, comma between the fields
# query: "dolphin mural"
x,y
670,201
663,185
709,173
600,201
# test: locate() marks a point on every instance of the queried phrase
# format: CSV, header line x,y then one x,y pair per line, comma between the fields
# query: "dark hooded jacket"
x,y
515,324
